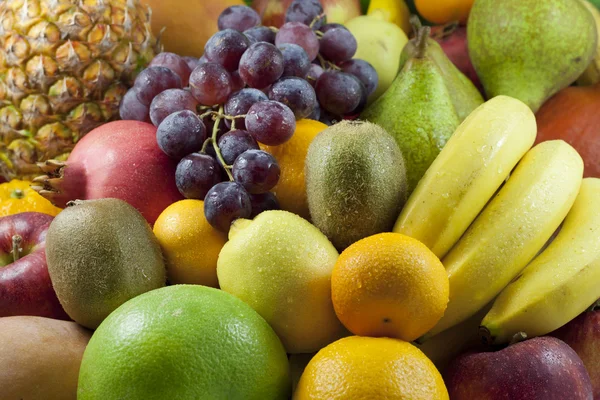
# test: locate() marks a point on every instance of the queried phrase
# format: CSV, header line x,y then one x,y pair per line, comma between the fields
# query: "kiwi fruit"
x,y
100,254
355,181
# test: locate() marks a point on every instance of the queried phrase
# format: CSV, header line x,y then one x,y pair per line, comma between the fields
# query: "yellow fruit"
x,y
185,26
443,12
17,196
395,11
189,243
359,368
291,189
389,285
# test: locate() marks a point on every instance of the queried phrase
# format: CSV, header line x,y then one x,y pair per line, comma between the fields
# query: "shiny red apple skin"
x,y
25,285
583,335
543,368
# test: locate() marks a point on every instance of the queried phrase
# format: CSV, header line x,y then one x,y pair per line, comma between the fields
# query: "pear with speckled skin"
x,y
530,49
417,110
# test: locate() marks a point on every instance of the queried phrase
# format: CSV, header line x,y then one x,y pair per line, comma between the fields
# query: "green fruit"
x,y
184,342
530,49
355,182
100,254
595,3
380,43
417,110
281,266
463,93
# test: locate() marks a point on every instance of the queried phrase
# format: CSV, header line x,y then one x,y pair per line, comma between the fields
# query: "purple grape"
x,y
263,202
314,73
296,93
306,12
261,65
131,108
256,170
363,71
170,101
175,63
316,113
237,83
331,26
154,80
260,34
295,60
180,134
270,122
226,202
300,34
226,48
363,99
192,62
329,119
338,92
239,18
196,174
240,102
338,45
234,143
201,60
210,84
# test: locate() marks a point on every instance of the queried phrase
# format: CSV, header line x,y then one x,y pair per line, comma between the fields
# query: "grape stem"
x,y
327,65
316,19
215,131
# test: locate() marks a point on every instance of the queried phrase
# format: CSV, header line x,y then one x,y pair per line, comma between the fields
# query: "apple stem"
x,y
16,247
421,44
518,337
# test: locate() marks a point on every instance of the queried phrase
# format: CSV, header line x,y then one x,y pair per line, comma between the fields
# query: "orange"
x,y
189,243
443,12
389,285
366,368
291,189
17,196
184,342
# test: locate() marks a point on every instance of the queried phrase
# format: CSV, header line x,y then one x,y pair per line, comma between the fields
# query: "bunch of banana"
x,y
560,283
489,203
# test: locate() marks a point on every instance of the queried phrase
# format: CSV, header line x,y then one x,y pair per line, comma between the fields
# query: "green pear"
x,y
417,110
530,49
465,96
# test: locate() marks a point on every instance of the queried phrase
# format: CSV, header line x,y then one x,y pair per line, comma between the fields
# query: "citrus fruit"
x,y
189,243
367,368
184,342
17,196
443,12
389,285
291,189
281,266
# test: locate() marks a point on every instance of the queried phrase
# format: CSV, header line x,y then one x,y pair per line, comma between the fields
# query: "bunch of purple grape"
x,y
250,86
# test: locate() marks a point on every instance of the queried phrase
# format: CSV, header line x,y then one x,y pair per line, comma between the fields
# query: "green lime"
x,y
184,342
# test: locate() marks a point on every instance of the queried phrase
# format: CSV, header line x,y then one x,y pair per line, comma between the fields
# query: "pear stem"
x,y
16,247
415,23
421,43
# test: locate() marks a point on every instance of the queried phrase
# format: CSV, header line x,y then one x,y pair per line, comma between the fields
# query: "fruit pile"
x,y
297,199
250,86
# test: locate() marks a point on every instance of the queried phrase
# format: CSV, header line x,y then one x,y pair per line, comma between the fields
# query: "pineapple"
x,y
64,67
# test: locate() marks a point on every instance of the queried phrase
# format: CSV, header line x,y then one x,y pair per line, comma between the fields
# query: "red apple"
x,y
543,368
339,11
25,286
453,40
583,335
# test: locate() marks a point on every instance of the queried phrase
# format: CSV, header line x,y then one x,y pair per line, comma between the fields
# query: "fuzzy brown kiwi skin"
x,y
100,254
355,181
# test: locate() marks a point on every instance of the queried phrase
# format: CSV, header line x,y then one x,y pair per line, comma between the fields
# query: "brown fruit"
x,y
40,357
572,115
187,24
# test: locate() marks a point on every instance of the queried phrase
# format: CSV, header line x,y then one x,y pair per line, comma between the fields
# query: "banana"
x,y
511,229
560,283
467,172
